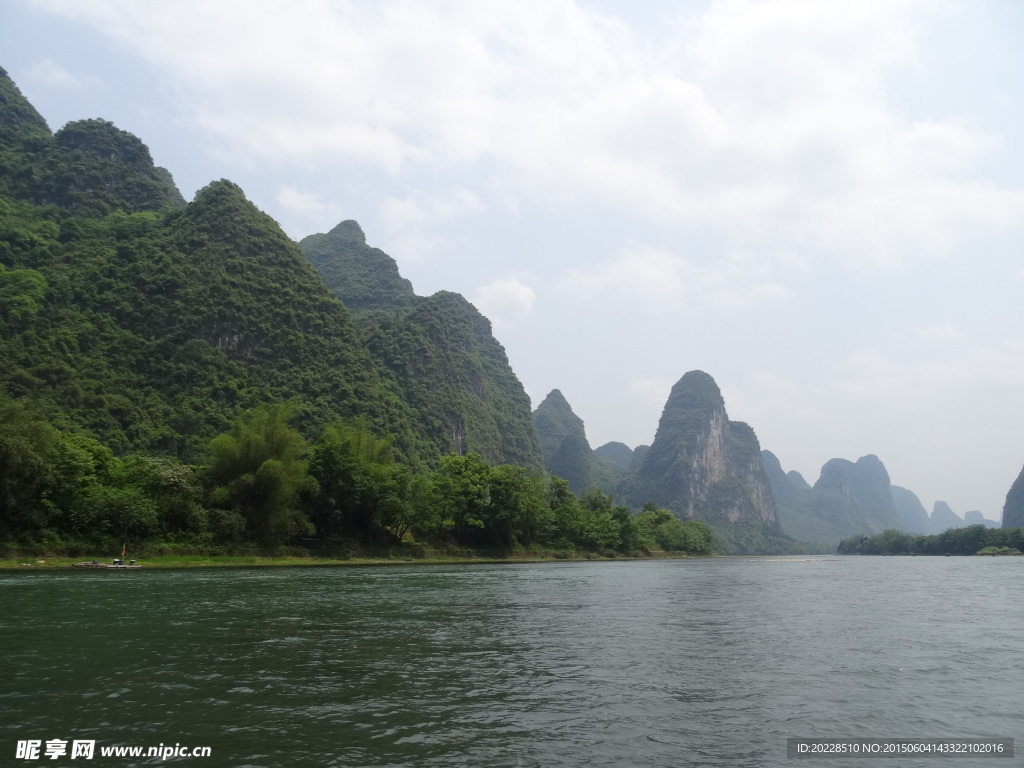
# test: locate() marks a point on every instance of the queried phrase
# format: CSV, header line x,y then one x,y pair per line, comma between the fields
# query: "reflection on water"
x,y
664,663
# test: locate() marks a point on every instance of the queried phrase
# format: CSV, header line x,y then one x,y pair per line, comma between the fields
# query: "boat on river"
x,y
114,565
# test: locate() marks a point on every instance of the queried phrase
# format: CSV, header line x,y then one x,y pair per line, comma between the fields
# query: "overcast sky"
x,y
818,203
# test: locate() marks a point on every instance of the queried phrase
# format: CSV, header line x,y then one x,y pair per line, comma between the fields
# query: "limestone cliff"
x,y
702,465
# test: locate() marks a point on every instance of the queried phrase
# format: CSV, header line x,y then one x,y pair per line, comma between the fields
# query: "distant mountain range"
x,y
703,465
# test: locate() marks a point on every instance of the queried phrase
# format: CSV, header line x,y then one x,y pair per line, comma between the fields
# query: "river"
x,y
624,663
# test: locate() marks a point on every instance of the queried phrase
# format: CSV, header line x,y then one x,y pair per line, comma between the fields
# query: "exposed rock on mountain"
x,y
701,465
1013,509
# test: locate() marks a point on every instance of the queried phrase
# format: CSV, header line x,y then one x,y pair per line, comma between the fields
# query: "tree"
x,y
515,508
461,492
362,490
28,447
259,473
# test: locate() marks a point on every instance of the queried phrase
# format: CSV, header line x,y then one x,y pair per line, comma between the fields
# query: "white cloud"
x,y
766,122
663,282
48,73
505,303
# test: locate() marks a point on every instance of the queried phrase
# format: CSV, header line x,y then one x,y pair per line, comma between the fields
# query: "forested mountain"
x,y
362,277
438,350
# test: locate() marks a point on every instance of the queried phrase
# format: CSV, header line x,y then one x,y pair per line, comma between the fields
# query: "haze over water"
x,y
664,663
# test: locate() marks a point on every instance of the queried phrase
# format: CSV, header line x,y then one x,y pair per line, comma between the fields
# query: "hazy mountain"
x,y
847,499
974,517
567,452
619,454
944,518
702,465
639,454
911,512
1013,509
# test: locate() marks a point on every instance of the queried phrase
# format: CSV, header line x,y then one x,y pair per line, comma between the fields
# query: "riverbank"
x,y
233,561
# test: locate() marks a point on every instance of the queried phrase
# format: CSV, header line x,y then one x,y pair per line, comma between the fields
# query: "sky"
x,y
821,204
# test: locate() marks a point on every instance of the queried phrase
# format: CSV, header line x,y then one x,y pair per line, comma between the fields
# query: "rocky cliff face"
x,y
702,465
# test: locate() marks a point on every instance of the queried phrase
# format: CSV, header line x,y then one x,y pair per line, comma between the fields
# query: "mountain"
x,y
1013,509
567,452
88,166
911,512
794,499
439,351
619,454
943,518
702,465
855,497
19,120
361,276
974,517
849,498
639,454
151,325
